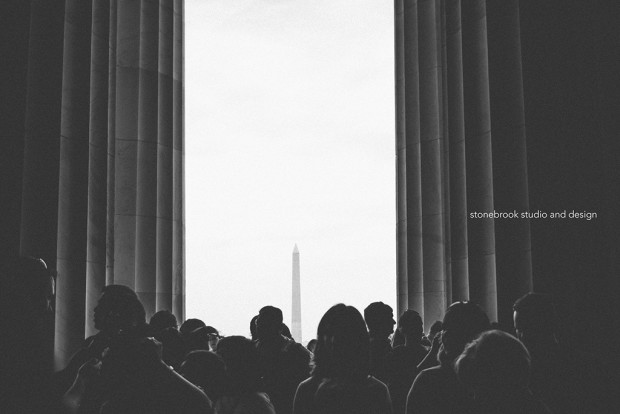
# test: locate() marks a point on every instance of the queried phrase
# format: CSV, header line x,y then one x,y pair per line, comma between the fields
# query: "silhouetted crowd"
x,y
356,364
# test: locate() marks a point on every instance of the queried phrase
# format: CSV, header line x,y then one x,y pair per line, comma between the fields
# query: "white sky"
x,y
289,138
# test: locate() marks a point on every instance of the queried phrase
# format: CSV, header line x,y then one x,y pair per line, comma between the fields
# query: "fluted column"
x,y
454,82
165,192
415,280
178,163
31,219
111,184
14,36
409,189
444,140
147,156
96,144
431,168
39,197
401,167
512,237
98,160
73,177
148,210
481,236
126,140
456,137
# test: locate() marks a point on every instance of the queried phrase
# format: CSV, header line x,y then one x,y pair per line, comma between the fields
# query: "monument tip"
x,y
295,249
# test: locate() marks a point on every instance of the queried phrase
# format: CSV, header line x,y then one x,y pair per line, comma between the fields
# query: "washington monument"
x,y
296,302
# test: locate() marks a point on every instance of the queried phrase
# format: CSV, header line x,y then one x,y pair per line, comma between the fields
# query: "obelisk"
x,y
296,302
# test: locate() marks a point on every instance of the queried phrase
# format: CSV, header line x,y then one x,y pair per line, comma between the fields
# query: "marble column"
x,y
40,205
127,90
73,178
165,189
178,161
98,171
408,162
510,184
111,117
147,156
401,166
457,166
460,145
479,157
43,90
31,45
433,247
96,187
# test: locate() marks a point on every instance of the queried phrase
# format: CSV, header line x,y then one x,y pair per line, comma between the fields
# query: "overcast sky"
x,y
289,111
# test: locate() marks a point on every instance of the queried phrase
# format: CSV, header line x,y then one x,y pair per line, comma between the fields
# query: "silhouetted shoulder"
x,y
433,375
373,384
425,384
296,349
342,396
436,390
304,397
249,403
368,396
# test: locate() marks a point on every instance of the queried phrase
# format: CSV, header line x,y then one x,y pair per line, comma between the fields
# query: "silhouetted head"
x,y
162,320
173,346
380,320
425,342
462,322
242,364
204,337
214,337
535,318
27,289
269,322
343,344
410,325
311,346
494,365
253,327
206,370
189,326
398,338
436,327
286,331
118,309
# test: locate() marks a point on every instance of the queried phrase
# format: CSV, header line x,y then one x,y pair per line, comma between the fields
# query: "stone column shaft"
x,y
449,73
147,157
39,198
98,174
431,171
401,159
165,192
456,136
126,140
111,187
409,190
481,236
73,191
96,254
178,163
442,51
513,242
